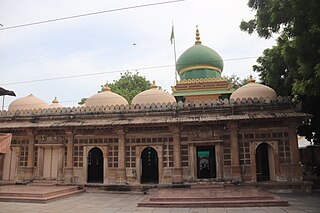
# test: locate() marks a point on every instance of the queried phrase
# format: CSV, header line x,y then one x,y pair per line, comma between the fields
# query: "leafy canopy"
x,y
292,67
128,86
236,81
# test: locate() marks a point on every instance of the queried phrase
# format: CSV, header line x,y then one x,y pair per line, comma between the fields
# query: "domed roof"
x,y
28,102
153,96
199,61
106,98
253,90
55,103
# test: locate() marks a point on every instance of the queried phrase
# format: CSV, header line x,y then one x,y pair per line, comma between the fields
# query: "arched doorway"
x,y
95,166
149,158
262,162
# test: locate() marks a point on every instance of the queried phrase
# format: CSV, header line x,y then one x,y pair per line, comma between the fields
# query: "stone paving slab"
x,y
125,203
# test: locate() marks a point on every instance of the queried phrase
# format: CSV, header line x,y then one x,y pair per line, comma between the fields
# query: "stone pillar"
x,y
60,171
234,150
29,170
295,156
40,162
121,172
192,161
177,170
276,162
253,146
68,170
219,160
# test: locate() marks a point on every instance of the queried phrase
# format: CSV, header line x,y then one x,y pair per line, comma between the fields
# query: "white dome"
x,y
28,102
153,96
253,90
106,98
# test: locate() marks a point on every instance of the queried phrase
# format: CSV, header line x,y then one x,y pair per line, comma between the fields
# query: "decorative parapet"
x,y
200,80
158,107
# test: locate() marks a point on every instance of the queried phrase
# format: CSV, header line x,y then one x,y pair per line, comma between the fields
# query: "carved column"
x,y
40,162
219,159
295,156
234,149
121,172
29,169
192,161
177,170
68,170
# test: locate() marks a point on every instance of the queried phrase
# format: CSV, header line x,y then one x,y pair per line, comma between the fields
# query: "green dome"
x,y
199,61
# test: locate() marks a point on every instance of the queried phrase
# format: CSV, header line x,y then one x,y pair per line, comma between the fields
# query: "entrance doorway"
x,y
206,162
95,166
149,158
262,162
51,162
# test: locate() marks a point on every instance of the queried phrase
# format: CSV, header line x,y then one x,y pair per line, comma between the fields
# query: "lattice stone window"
x,y
24,153
113,155
65,156
130,156
226,153
184,155
284,151
78,156
35,156
244,153
167,155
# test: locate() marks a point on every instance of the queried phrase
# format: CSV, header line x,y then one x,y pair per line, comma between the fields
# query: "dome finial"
x,y
55,100
251,80
106,87
153,85
197,36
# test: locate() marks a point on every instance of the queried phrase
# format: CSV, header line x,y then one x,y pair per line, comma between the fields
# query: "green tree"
x,y
236,81
293,65
128,86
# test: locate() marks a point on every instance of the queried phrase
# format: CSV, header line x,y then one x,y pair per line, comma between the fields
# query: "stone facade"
x,y
249,140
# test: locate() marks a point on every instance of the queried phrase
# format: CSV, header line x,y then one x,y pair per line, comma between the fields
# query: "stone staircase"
x,y
211,196
36,193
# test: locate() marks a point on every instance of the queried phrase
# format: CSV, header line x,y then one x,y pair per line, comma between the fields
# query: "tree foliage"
x,y
236,81
128,86
292,67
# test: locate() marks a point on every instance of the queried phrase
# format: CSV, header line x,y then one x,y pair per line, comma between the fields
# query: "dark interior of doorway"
x,y
206,162
149,158
95,166
262,162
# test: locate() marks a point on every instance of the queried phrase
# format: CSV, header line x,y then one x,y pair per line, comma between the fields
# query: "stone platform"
x,y
211,196
36,193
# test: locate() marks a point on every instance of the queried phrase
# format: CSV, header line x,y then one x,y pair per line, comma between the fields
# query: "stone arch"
x,y
149,165
95,166
265,161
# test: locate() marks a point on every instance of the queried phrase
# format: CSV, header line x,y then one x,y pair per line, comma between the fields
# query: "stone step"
x,y
197,199
38,199
36,191
204,204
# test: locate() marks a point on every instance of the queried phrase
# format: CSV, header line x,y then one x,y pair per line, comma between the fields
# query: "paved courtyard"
x,y
125,203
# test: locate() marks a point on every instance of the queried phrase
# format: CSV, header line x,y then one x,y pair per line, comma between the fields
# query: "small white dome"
x,y
153,96
253,90
106,98
55,104
28,102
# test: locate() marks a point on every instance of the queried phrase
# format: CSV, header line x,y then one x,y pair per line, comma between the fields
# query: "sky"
x,y
101,47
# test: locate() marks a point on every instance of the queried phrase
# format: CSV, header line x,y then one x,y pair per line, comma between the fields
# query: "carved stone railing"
x,y
148,107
